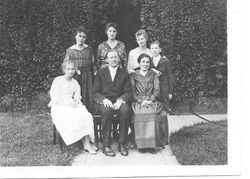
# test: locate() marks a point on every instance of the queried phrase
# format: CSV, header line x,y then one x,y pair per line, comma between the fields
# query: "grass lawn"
x,y
26,140
202,106
202,144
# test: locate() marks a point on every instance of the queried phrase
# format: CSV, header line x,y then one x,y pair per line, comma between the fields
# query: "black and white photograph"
x,y
117,88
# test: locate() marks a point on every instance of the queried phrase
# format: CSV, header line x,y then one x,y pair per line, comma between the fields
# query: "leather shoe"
x,y
142,151
123,150
108,151
94,147
130,145
90,151
152,151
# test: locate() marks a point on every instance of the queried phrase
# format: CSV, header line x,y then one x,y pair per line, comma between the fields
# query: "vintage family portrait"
x,y
114,88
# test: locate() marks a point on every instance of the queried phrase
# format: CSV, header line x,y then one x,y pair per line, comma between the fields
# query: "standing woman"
x,y
111,30
141,39
83,57
150,119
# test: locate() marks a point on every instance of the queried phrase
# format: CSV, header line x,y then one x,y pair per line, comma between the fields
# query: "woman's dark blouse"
x,y
82,58
145,87
84,62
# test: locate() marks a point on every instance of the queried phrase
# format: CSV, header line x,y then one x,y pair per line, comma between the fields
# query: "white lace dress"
x,y
73,123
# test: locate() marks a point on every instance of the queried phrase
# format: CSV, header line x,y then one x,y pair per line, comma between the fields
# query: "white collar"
x,y
76,48
113,69
143,73
157,58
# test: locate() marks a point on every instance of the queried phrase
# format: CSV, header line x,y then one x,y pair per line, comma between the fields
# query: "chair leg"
x,y
54,134
96,132
100,132
61,142
80,144
115,131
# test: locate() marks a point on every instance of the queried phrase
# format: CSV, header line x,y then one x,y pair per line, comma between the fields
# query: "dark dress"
x,y
104,47
150,123
84,62
166,81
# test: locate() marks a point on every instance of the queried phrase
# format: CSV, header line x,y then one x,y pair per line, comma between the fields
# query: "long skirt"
x,y
73,123
85,79
150,125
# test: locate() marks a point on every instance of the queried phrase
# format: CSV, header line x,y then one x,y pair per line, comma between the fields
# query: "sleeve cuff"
x,y
152,98
120,99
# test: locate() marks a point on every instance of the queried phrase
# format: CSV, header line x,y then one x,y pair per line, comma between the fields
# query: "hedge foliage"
x,y
194,37
34,35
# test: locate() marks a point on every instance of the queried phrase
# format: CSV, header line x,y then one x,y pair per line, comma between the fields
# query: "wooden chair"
x,y
60,140
98,128
97,131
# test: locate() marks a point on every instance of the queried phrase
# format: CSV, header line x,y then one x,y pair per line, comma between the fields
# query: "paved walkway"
x,y
163,157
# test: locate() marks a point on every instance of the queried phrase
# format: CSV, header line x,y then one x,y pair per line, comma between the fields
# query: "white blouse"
x,y
133,56
64,92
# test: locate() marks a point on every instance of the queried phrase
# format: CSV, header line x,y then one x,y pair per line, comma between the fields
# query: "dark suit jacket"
x,y
104,87
167,77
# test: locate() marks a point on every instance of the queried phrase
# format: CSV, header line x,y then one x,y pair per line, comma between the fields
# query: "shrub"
x,y
37,34
201,144
34,35
40,102
194,38
12,102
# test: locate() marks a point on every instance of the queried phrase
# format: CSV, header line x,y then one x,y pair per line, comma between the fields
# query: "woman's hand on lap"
x,y
146,103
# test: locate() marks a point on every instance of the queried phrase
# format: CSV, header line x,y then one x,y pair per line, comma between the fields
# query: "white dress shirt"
x,y
156,60
112,72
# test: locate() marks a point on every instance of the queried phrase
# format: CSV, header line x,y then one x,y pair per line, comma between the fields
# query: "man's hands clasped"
x,y
115,106
107,103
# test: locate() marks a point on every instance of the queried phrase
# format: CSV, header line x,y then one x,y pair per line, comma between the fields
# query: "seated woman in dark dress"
x,y
150,120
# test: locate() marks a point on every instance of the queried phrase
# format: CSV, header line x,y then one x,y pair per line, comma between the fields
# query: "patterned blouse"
x,y
104,47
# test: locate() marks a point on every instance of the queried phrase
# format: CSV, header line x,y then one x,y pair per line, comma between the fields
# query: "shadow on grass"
x,y
26,140
202,144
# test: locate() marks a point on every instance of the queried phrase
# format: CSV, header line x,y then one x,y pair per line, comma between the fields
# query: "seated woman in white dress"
x,y
70,116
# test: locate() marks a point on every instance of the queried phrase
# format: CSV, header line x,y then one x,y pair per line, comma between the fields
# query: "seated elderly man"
x,y
112,94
